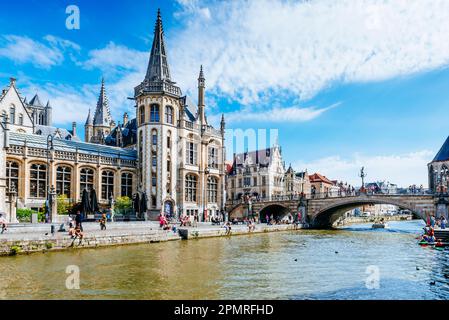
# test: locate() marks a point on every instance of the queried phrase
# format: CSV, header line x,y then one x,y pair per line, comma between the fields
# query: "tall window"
x,y
107,184
154,113
142,114
213,158
154,138
169,114
191,153
12,175
127,185
212,189
12,115
86,179
63,180
38,180
154,161
4,116
190,189
154,181
21,119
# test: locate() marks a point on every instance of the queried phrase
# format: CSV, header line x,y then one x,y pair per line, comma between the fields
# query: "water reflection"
x,y
293,265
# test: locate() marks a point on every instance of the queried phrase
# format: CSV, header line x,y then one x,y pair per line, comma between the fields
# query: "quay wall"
x,y
32,243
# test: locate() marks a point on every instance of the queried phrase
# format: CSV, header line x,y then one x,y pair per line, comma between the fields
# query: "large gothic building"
x,y
169,152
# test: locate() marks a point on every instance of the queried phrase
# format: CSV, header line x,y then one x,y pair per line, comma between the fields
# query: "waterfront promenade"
x,y
29,238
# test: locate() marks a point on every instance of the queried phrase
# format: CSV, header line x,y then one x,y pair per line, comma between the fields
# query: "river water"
x,y
305,264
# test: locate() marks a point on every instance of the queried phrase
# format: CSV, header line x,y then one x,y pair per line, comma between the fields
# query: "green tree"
x,y
123,203
63,204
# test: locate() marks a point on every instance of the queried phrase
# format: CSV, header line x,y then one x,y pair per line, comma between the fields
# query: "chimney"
x,y
125,119
74,129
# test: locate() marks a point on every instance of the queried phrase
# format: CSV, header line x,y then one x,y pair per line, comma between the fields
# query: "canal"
x,y
289,265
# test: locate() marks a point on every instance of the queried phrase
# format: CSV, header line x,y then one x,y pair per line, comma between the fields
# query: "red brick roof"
x,y
316,177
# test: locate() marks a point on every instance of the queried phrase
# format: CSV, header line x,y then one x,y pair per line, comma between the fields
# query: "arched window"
x,y
38,181
20,119
4,116
213,158
12,114
63,180
127,185
86,179
107,184
169,114
142,114
154,113
190,188
12,175
212,189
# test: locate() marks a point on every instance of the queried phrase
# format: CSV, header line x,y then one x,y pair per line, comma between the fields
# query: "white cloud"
x,y
276,114
42,54
403,169
114,58
254,48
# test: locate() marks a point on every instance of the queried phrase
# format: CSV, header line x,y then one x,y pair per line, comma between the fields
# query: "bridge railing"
x,y
330,194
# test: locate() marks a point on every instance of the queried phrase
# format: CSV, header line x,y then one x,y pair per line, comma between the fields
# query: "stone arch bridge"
x,y
323,212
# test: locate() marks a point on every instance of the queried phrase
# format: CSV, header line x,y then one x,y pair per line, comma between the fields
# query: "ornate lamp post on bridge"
x,y
362,175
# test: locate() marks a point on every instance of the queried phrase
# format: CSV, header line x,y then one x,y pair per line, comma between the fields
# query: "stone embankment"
x,y
23,239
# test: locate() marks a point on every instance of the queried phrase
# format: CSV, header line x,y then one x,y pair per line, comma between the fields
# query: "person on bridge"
x,y
443,222
432,221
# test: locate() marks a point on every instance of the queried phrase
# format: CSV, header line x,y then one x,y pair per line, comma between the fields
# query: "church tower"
x,y
102,123
158,109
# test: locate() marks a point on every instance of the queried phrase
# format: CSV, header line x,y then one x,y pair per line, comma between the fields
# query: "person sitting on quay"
x,y
227,226
103,222
3,223
162,221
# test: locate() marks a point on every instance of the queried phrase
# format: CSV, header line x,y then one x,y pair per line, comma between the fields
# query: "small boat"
x,y
379,225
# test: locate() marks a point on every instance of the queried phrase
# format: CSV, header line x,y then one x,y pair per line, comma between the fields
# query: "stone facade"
x,y
262,174
181,157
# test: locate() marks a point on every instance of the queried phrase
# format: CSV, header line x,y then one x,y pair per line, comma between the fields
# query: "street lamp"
x,y
50,147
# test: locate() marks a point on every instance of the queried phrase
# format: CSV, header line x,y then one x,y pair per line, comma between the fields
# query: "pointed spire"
x,y
48,106
158,68
36,101
102,115
89,119
222,123
201,77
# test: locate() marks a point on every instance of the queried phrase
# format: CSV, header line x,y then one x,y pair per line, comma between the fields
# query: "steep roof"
x,y
316,177
33,140
57,132
443,154
158,68
102,115
129,134
36,102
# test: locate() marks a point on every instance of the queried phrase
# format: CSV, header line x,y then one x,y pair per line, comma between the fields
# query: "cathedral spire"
x,y
102,115
158,65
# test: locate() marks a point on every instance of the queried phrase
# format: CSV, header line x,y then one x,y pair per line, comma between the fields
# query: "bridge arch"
x,y
276,211
328,214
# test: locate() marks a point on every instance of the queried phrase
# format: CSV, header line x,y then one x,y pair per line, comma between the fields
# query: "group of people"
x,y
76,227
164,224
429,230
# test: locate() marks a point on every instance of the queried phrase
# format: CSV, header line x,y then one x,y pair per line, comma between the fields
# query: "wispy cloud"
x,y
42,54
114,58
403,169
276,114
253,48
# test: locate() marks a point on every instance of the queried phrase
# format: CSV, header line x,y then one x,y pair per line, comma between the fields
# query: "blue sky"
x,y
346,84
